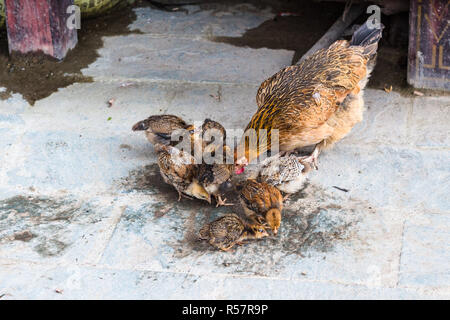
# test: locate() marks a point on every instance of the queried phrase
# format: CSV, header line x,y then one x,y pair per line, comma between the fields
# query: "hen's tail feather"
x,y
367,36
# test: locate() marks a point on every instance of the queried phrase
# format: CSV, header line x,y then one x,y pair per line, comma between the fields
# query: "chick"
x,y
263,203
286,173
178,169
159,128
229,230
214,135
216,177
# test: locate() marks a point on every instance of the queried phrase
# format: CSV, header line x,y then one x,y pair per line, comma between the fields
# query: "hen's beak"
x,y
239,169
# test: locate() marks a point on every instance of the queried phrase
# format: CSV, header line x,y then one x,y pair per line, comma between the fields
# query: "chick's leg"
x,y
180,195
222,202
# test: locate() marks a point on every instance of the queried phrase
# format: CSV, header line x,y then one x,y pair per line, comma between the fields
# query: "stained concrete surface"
x,y
85,214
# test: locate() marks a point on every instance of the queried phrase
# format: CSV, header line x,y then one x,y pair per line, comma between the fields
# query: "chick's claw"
x,y
222,202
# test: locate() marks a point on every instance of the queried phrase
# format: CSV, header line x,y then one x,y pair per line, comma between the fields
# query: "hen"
x,y
229,230
262,202
314,103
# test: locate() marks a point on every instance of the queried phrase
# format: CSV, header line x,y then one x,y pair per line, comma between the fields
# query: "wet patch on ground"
x,y
36,76
45,223
296,28
301,24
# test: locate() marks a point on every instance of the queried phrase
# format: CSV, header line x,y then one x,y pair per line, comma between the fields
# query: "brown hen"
x,y
314,103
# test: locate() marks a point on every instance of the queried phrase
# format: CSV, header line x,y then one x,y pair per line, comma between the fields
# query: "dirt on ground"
x,y
297,26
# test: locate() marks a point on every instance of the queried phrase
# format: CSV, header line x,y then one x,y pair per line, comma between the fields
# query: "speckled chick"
x,y
262,202
229,230
213,135
286,173
178,169
216,178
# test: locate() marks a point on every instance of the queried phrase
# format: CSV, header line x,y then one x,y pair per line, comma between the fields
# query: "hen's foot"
x,y
310,160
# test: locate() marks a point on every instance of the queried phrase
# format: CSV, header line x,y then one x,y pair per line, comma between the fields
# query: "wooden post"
x,y
429,44
335,30
40,26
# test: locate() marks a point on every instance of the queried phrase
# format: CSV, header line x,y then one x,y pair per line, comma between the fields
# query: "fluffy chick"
x,y
286,173
263,203
229,230
159,128
213,136
178,169
216,177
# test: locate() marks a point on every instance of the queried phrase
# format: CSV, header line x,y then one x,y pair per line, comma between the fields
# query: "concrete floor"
x,y
83,212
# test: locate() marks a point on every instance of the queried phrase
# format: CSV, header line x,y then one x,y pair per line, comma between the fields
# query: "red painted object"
x,y
40,26
429,44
